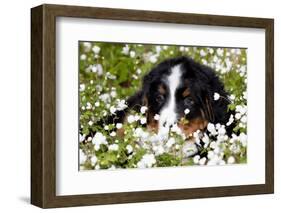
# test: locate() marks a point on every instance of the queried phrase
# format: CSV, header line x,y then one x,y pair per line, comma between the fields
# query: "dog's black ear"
x,y
136,101
207,84
203,97
208,108
220,108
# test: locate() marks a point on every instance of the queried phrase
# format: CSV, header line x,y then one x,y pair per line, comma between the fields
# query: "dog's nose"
x,y
168,124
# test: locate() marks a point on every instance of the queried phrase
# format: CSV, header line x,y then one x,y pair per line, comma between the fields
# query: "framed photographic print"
x,y
135,106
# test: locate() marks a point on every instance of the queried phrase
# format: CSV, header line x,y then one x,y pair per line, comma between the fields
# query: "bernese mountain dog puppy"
x,y
179,89
172,87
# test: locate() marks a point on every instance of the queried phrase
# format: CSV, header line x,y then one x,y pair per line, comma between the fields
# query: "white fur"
x,y
168,115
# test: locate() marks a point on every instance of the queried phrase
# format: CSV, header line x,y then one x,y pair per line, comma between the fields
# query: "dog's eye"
x,y
160,98
188,101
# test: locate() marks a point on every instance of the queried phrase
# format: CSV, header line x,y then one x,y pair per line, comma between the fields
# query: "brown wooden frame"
x,y
43,105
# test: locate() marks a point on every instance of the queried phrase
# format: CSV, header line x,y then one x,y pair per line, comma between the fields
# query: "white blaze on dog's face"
x,y
168,114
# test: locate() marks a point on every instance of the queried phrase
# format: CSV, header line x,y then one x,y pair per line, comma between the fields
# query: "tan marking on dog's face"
x,y
152,124
161,89
193,125
186,93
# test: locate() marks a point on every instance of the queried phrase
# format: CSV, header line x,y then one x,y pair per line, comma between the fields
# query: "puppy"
x,y
179,90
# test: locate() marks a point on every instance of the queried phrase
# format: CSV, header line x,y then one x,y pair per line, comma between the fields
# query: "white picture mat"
x,y
69,181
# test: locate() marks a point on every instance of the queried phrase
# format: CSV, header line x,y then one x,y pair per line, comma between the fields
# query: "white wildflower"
x,y
211,128
110,76
189,149
213,145
121,105
241,109
211,50
137,117
216,96
196,136
237,116
138,71
105,97
230,121
202,53
243,139
232,97
143,120
97,68
156,117
186,111
220,52
158,150
170,142
181,48
112,110
96,49
83,57
158,49
244,119
82,87
138,132
147,161
112,134
206,139
221,130
82,157
113,147
125,50
153,59
106,127
130,119
132,54
211,154
94,160
196,159
98,139
113,94
89,105
235,148
90,123
231,160
129,149
143,109
87,46
119,125
81,138
202,161
97,104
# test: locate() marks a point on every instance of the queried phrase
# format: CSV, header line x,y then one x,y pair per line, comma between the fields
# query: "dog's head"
x,y
181,91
